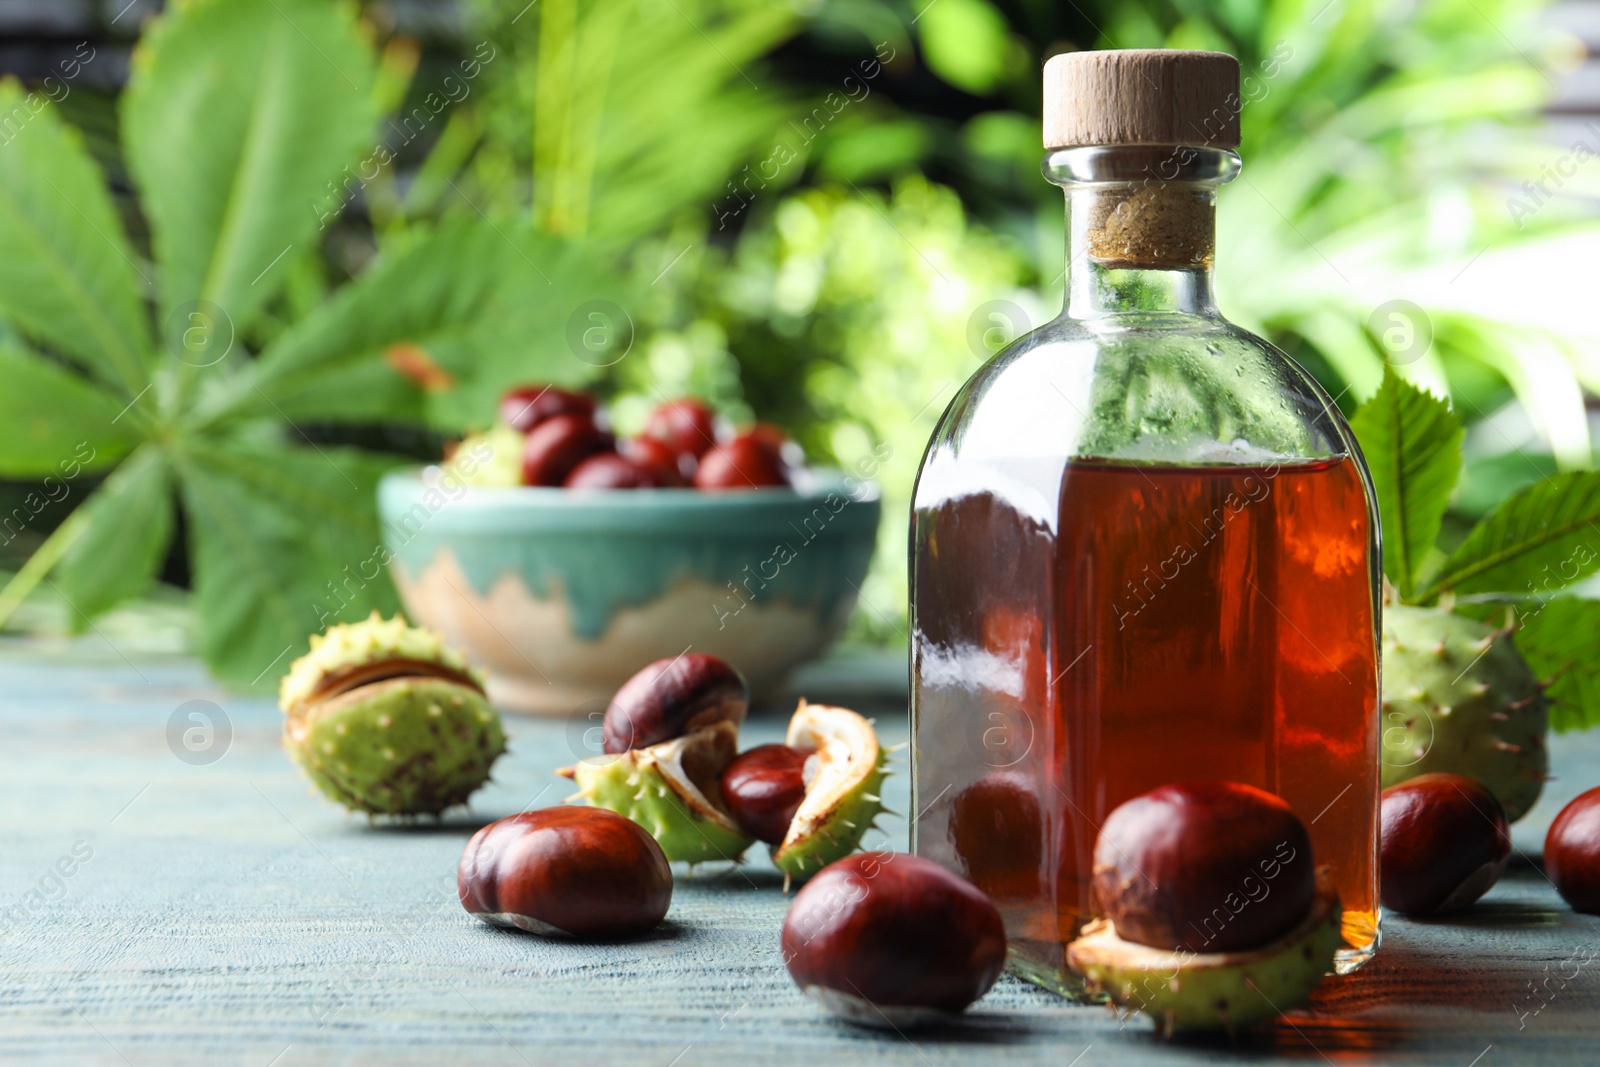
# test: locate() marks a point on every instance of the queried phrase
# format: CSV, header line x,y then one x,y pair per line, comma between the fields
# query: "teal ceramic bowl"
x,y
562,595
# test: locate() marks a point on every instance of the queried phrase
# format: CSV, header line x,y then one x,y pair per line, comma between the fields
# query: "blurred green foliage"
x,y
828,212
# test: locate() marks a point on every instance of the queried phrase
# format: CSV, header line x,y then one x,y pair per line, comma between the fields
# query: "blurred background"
x,y
822,214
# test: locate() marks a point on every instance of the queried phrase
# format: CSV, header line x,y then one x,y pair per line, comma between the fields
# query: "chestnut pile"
x,y
1214,914
671,763
548,436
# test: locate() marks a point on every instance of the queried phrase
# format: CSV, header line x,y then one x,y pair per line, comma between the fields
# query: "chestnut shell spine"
x,y
583,872
889,939
671,697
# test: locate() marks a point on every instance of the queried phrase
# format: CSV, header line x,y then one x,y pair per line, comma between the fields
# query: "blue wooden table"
x,y
208,909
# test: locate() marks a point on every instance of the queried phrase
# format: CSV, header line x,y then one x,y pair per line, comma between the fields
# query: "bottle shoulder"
x,y
1160,387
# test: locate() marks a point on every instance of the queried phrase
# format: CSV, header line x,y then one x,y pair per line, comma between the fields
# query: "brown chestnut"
x,y
1445,841
1204,867
527,406
557,445
763,788
580,871
745,462
686,425
887,939
1572,853
669,698
608,470
659,459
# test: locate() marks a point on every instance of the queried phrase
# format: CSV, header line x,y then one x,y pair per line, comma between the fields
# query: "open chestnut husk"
x,y
763,788
671,697
581,872
886,939
1445,842
387,720
1572,853
668,735
1186,868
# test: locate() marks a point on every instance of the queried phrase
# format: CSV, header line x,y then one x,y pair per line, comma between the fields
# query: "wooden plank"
x,y
224,915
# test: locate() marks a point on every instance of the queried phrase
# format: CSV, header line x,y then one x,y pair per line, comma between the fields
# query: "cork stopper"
x,y
1159,99
1141,96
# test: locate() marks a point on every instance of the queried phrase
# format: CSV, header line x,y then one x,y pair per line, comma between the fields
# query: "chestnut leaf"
x,y
239,123
1560,639
1539,540
69,278
128,529
1412,443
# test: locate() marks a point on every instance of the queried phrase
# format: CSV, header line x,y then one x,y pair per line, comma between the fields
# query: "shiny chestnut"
x,y
659,459
527,406
608,470
686,425
745,462
556,446
1445,842
1572,853
580,871
671,697
1204,867
763,788
888,939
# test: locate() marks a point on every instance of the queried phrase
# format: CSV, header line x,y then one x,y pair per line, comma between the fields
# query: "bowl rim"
x,y
465,507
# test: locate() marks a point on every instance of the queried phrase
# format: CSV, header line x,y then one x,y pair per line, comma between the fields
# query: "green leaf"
x,y
56,422
1412,443
237,119
130,526
67,275
499,315
1541,539
285,541
1561,642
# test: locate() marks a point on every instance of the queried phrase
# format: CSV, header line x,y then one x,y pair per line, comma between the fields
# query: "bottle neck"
x,y
1141,228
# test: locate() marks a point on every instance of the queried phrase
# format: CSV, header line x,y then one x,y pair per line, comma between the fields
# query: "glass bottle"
x,y
1144,546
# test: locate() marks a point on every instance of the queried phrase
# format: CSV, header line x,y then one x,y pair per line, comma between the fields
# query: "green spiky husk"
x,y
406,746
841,833
1459,697
631,784
1211,991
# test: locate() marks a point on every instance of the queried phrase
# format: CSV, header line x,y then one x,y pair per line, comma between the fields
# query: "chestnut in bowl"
x,y
1445,842
686,425
659,459
609,470
556,446
1572,853
744,462
889,939
527,406
669,698
1204,867
579,871
763,788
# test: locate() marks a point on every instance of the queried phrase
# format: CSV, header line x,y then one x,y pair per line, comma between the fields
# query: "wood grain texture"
x,y
226,916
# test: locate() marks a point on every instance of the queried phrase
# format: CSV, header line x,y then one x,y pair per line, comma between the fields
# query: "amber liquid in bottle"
x,y
1171,623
